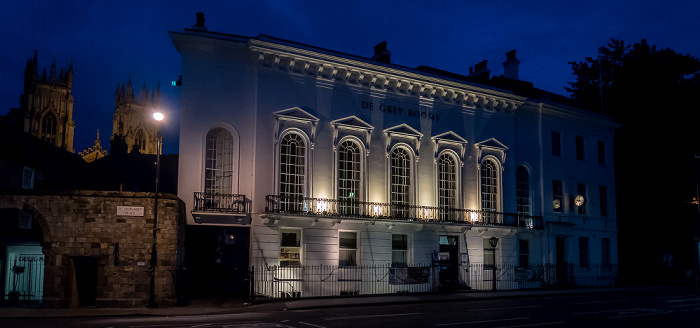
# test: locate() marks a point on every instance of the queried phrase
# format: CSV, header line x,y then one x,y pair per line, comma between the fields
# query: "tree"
x,y
654,94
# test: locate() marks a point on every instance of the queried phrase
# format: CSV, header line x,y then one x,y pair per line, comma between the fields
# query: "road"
x,y
658,308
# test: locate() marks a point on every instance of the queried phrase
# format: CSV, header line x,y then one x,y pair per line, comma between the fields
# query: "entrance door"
x,y
449,265
86,280
561,265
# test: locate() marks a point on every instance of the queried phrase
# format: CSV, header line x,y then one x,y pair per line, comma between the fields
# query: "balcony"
x,y
220,203
352,208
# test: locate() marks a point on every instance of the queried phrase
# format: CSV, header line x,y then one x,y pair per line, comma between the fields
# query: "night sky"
x,y
112,41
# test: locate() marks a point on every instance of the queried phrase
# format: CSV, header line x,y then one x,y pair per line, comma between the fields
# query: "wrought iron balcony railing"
x,y
224,203
353,208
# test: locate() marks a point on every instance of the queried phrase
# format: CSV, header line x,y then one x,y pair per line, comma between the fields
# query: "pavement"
x,y
208,306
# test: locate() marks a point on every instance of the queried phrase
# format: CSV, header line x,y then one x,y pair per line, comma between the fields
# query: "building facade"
x,y
341,167
46,105
132,125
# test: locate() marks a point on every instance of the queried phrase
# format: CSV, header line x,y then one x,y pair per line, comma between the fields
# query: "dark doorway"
x,y
561,265
86,280
448,262
217,261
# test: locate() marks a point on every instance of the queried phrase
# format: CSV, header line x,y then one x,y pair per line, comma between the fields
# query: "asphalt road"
x,y
656,308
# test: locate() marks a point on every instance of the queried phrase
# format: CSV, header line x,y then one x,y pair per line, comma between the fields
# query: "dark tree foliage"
x,y
654,94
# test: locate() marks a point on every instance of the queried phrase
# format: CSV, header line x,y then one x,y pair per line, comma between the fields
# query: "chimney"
x,y
510,66
200,23
480,72
381,54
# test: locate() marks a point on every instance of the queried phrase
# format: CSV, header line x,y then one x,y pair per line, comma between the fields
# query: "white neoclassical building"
x,y
331,174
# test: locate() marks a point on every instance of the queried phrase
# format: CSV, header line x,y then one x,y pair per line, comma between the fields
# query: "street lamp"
x,y
493,242
158,116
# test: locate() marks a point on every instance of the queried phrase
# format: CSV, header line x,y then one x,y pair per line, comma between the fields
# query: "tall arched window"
x,y
447,186
349,177
522,191
218,171
489,190
48,129
400,182
292,172
139,142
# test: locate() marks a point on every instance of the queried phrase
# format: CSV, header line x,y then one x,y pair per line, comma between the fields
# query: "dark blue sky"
x,y
110,41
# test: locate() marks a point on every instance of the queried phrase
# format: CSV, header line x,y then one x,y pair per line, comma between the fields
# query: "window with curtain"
x,y
218,175
347,246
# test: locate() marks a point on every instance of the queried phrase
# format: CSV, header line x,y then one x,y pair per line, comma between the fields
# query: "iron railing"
x,y
352,208
217,202
25,278
272,282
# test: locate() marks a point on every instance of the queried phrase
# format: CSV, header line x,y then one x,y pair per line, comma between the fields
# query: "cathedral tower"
x,y
46,105
133,125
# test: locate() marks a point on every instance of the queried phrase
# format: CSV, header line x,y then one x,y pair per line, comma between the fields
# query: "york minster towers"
x,y
133,125
46,105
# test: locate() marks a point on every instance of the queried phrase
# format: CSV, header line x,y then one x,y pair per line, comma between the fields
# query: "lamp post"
x,y
158,116
493,242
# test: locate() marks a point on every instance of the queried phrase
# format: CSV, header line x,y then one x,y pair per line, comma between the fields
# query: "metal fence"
x,y
327,280
25,280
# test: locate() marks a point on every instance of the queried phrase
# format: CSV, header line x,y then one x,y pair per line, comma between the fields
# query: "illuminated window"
x,y
447,186
290,247
347,246
400,182
218,177
489,190
584,259
522,191
48,129
349,176
292,172
399,250
557,195
139,142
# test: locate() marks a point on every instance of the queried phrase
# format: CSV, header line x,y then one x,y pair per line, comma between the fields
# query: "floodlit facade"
x,y
353,175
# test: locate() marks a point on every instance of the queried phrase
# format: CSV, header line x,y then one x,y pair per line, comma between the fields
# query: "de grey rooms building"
x,y
355,175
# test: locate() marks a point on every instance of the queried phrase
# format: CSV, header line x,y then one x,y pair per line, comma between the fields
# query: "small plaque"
x,y
129,210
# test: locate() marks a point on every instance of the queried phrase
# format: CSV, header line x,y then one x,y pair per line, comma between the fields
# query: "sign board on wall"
x,y
129,210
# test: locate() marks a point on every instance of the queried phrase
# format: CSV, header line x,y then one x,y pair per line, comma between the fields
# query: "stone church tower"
x,y
133,126
46,106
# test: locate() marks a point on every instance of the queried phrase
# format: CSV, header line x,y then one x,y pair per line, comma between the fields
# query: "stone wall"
x,y
82,233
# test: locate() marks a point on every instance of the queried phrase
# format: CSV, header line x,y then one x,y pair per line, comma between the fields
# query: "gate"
x,y
25,278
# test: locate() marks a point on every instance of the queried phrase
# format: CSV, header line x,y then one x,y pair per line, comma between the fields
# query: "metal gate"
x,y
25,278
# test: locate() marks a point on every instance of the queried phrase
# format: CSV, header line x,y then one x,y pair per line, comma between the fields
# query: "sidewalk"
x,y
224,306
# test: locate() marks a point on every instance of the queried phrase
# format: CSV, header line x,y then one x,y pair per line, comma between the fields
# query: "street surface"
x,y
657,308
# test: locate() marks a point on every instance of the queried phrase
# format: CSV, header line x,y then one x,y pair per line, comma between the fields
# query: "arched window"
x,y
48,129
400,182
139,142
447,186
522,191
349,177
292,172
489,190
218,171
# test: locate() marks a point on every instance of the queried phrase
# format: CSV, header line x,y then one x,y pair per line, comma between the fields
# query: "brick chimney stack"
x,y
510,66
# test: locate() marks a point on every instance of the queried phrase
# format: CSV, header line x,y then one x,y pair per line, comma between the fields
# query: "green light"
x,y
352,194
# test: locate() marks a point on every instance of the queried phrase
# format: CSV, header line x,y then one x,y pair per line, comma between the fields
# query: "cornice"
x,y
404,81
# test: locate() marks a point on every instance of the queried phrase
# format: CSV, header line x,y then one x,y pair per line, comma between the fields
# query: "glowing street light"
x,y
158,116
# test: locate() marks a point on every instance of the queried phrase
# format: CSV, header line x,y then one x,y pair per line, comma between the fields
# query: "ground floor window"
x,y
290,247
524,252
399,250
347,245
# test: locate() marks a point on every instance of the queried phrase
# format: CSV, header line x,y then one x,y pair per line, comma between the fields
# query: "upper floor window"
x,y
556,143
601,152
400,182
48,128
489,189
557,195
292,172
579,148
581,202
349,177
28,178
218,172
447,186
139,142
522,191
